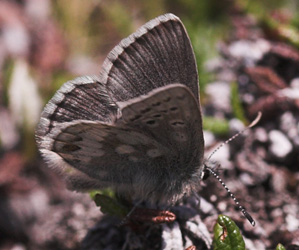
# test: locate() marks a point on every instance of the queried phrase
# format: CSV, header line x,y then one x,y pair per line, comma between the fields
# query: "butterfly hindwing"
x,y
170,115
110,156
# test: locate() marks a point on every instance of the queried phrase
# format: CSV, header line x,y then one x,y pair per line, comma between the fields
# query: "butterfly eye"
x,y
205,174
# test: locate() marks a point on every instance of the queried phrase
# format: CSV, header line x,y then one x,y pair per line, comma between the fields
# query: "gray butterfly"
x,y
136,127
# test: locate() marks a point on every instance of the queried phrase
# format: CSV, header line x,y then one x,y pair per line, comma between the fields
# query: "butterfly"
x,y
137,126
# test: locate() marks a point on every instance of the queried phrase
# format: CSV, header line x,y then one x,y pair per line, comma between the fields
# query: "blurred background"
x,y
248,60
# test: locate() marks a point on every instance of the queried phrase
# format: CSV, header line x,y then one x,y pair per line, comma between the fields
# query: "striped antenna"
x,y
241,208
254,122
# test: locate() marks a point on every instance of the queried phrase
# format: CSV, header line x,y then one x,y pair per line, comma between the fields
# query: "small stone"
x,y
261,134
18,247
214,64
236,125
292,222
289,125
295,83
209,138
246,179
252,51
206,207
221,156
219,93
172,236
280,145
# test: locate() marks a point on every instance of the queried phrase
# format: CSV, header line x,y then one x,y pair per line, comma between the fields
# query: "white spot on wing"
x,y
181,137
153,153
133,158
133,138
124,149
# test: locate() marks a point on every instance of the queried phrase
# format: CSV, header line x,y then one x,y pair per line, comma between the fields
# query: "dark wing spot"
x,y
125,130
143,111
173,108
69,148
167,99
136,117
156,104
78,138
150,122
157,115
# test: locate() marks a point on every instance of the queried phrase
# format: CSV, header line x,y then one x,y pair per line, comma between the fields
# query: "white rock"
x,y
18,247
280,145
236,125
250,50
295,83
209,138
292,223
289,125
261,134
172,236
219,93
221,156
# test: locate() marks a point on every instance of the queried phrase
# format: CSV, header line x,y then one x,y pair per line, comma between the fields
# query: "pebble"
x,y
252,51
261,134
280,146
209,138
219,93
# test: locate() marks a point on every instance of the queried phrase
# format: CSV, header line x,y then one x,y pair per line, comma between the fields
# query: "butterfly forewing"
x,y
84,98
157,54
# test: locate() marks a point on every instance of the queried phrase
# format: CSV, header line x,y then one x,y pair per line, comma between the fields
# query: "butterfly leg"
x,y
127,218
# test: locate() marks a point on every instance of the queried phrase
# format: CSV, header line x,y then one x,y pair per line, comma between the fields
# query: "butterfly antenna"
x,y
254,122
241,208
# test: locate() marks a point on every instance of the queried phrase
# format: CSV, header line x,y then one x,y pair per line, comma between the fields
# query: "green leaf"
x,y
280,247
107,191
227,235
236,103
217,126
7,71
110,205
107,200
